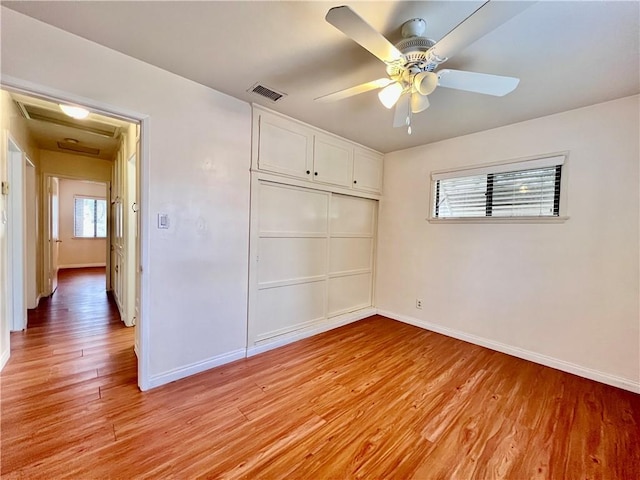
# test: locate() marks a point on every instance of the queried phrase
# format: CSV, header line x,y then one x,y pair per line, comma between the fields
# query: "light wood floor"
x,y
374,399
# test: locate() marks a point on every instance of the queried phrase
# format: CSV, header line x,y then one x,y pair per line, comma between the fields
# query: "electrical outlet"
x,y
418,303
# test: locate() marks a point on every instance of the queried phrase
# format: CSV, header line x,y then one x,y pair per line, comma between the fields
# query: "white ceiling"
x,y
567,55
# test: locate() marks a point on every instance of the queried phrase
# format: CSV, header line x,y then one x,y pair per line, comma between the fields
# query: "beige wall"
x,y
11,124
79,252
563,293
75,166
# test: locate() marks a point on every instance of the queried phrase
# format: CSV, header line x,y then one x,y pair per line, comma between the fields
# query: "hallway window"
x,y
90,217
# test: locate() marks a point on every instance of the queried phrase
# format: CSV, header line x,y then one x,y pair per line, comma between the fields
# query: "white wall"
x,y
567,291
199,144
78,252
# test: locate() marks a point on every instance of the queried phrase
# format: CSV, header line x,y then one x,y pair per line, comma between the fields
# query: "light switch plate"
x,y
163,221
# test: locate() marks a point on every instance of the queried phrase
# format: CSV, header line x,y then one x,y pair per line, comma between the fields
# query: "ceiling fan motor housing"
x,y
414,55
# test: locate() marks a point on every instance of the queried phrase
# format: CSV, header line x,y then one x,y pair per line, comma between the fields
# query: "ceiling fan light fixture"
x,y
74,112
425,82
419,103
390,94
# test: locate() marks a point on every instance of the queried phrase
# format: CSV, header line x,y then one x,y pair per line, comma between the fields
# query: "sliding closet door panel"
x,y
287,210
352,216
285,309
349,293
290,259
351,245
349,254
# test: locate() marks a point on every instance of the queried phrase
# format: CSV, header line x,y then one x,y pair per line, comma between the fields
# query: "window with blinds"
x,y
523,189
90,217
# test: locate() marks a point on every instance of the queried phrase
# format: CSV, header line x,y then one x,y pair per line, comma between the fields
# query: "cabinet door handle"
x,y
355,181
308,172
315,173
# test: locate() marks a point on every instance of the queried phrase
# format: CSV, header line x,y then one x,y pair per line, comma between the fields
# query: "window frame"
x,y
525,163
95,199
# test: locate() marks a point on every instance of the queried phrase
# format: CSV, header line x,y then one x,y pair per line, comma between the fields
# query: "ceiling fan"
x,y
412,63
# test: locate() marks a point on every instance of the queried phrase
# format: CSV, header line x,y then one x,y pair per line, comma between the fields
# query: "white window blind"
x,y
90,217
500,190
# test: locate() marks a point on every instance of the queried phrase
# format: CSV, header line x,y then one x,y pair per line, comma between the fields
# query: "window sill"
x,y
500,220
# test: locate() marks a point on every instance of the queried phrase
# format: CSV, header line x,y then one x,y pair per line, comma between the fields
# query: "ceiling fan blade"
x,y
358,89
488,17
354,27
477,82
402,111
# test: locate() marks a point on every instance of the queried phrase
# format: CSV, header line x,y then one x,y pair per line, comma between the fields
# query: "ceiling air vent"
x,y
75,148
266,92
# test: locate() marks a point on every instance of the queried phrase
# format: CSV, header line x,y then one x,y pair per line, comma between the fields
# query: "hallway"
x,y
74,349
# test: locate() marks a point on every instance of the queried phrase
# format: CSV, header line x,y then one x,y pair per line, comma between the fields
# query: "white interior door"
x,y
138,267
54,232
16,306
31,232
130,242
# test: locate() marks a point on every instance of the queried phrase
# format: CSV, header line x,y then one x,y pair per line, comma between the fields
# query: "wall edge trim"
x,y
82,265
5,358
547,361
332,323
197,367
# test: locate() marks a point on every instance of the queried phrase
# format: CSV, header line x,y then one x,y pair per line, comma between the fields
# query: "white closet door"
x,y
292,260
351,246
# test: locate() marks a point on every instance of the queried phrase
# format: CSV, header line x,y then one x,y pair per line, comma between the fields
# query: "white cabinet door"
x,y
284,147
367,170
332,161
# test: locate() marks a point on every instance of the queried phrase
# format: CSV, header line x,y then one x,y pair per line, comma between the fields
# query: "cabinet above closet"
x,y
284,146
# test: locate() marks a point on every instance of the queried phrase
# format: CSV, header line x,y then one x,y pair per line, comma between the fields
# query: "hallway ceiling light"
x,y
75,112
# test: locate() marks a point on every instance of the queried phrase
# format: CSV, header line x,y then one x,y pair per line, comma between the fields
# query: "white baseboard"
x,y
598,376
330,324
82,265
182,372
5,358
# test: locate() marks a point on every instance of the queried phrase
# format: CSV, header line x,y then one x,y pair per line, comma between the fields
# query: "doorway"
x,y
42,260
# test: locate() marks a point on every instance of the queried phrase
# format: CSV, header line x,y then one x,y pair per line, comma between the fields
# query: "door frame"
x,y
47,93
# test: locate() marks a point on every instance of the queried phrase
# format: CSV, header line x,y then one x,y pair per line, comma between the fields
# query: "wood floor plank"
x,y
373,399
